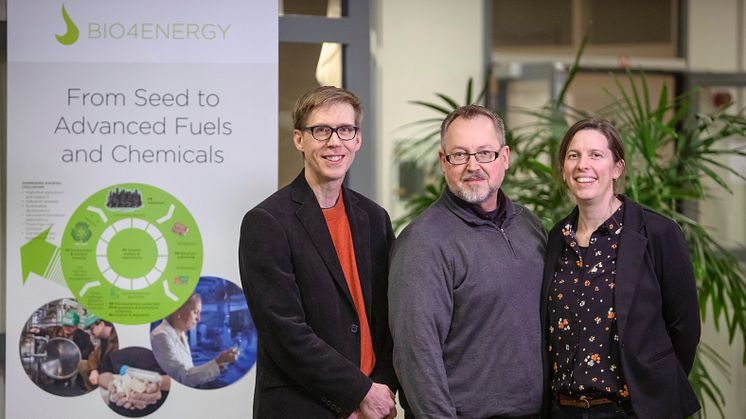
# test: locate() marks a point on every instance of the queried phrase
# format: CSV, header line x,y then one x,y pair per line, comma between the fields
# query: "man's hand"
x,y
151,395
116,397
378,403
130,398
93,377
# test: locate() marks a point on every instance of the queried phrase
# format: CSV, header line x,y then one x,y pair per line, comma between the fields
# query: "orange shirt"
x,y
339,227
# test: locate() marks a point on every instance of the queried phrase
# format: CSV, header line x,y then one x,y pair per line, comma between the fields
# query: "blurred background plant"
x,y
673,154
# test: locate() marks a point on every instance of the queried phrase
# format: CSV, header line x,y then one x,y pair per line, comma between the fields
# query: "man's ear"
x,y
505,155
358,141
298,139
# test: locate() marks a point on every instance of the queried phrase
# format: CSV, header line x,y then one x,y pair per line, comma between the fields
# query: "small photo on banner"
x,y
132,383
210,341
63,345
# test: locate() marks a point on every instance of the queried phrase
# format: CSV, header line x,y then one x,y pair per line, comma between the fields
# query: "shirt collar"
x,y
612,226
497,216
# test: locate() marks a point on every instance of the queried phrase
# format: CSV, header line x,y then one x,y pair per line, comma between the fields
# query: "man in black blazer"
x,y
316,282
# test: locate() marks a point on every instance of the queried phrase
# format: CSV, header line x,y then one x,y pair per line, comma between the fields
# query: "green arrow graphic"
x,y
37,255
72,33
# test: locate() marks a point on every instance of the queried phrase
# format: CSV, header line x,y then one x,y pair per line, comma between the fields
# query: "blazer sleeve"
x,y
679,292
268,279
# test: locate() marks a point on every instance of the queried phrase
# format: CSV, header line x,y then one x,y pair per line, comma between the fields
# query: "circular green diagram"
x,y
131,253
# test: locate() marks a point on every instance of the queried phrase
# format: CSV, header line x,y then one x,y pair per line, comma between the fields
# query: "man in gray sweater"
x,y
464,286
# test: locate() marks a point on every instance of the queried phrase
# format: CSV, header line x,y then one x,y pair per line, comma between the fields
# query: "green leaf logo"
x,y
81,232
72,33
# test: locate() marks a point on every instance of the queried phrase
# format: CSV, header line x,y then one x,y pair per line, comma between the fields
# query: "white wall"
x,y
420,47
713,35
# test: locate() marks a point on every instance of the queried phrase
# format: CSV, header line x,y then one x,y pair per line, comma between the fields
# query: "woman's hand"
x,y
228,356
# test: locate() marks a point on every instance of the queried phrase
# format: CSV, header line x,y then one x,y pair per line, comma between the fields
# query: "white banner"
x,y
139,133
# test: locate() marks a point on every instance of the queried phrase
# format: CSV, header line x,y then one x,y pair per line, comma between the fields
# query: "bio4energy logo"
x,y
177,31
71,36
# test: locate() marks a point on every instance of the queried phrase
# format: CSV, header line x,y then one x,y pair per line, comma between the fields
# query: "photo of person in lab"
x,y
210,341
131,383
54,349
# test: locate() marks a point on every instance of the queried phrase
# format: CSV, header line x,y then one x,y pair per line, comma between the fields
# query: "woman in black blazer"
x,y
619,302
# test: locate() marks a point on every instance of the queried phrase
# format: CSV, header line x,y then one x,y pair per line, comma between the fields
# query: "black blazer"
x,y
308,357
657,311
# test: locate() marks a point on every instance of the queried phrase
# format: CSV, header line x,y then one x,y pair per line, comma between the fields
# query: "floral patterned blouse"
x,y
583,335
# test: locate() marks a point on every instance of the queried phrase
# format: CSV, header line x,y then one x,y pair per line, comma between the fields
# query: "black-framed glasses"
x,y
484,156
324,132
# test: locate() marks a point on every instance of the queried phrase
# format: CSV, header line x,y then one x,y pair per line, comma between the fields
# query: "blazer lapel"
x,y
554,250
630,258
310,216
360,228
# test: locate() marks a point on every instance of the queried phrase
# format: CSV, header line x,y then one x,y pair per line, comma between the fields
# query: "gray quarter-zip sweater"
x,y
464,312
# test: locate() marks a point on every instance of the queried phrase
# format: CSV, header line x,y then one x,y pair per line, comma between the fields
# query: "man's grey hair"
x,y
470,112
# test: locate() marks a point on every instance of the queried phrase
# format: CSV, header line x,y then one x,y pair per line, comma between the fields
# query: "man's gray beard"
x,y
471,196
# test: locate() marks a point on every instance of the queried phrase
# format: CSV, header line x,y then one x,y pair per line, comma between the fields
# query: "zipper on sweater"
x,y
507,240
